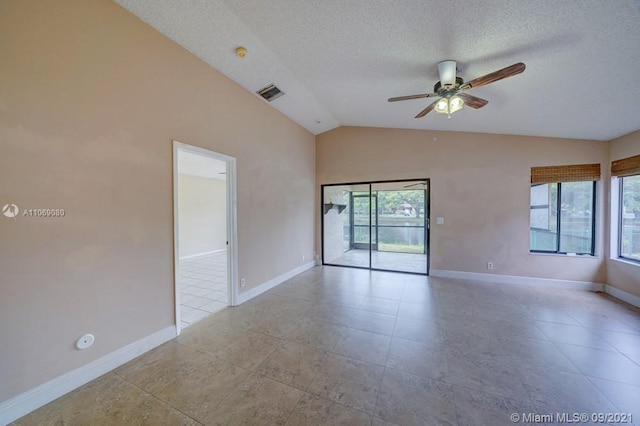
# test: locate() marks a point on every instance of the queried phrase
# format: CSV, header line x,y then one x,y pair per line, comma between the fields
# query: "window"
x,y
562,217
629,210
625,206
563,204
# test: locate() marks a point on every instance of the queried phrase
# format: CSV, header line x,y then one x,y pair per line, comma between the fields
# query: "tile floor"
x,y
390,261
203,286
353,347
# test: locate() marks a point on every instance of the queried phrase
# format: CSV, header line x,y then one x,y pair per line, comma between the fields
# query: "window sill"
x,y
587,256
626,262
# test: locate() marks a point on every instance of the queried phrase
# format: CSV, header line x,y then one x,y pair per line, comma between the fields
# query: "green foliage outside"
x,y
401,248
400,219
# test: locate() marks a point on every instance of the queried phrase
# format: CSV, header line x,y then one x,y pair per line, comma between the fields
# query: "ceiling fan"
x,y
451,89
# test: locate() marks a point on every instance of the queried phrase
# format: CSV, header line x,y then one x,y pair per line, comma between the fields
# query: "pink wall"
x,y
90,101
479,184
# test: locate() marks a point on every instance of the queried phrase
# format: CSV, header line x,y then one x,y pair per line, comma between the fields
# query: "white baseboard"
x,y
191,256
248,295
622,295
20,405
514,279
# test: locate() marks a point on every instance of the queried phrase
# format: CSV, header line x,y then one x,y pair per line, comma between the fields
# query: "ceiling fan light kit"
x,y
451,89
449,105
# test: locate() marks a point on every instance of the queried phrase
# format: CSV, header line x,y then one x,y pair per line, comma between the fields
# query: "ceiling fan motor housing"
x,y
442,91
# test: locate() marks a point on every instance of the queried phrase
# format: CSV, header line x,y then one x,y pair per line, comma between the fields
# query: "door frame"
x,y
232,222
427,217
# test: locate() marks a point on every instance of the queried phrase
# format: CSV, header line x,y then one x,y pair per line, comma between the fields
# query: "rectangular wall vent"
x,y
270,93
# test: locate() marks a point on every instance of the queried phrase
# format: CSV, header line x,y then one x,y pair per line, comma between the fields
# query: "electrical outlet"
x,y
489,265
242,282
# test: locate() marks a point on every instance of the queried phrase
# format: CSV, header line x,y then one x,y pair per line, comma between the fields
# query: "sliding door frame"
x,y
427,221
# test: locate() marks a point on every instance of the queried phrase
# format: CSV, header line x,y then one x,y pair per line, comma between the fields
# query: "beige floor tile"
x,y
415,358
109,400
312,411
412,400
474,338
624,397
497,375
563,392
476,408
372,322
627,343
256,401
634,358
377,421
603,364
532,352
425,332
320,334
363,346
249,350
189,380
293,364
349,382
572,334
278,325
495,347
240,347
197,390
152,370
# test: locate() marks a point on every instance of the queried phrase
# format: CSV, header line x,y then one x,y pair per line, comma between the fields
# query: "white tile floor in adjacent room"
x,y
203,286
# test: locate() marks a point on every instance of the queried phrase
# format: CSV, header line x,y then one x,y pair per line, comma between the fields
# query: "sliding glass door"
x,y
363,220
377,225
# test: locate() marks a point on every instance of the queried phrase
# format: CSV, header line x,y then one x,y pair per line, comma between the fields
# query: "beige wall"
x,y
479,184
90,100
624,276
202,210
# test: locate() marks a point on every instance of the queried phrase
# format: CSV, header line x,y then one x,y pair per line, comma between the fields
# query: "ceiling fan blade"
x,y
406,98
427,110
473,101
494,76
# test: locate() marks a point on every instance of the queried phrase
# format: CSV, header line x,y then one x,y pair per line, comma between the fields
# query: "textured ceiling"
x,y
339,60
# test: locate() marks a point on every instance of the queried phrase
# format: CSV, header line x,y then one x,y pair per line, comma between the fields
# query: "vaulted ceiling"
x,y
339,60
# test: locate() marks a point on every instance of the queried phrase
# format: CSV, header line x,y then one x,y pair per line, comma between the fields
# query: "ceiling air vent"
x,y
270,93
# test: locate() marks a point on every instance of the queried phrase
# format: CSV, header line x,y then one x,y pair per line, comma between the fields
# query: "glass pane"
x,y
400,230
346,225
361,219
630,210
576,217
543,219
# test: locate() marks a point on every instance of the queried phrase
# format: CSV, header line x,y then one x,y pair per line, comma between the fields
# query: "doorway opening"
x,y
205,254
377,225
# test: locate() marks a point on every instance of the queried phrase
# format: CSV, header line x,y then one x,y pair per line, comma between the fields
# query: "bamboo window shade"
x,y
626,167
572,173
